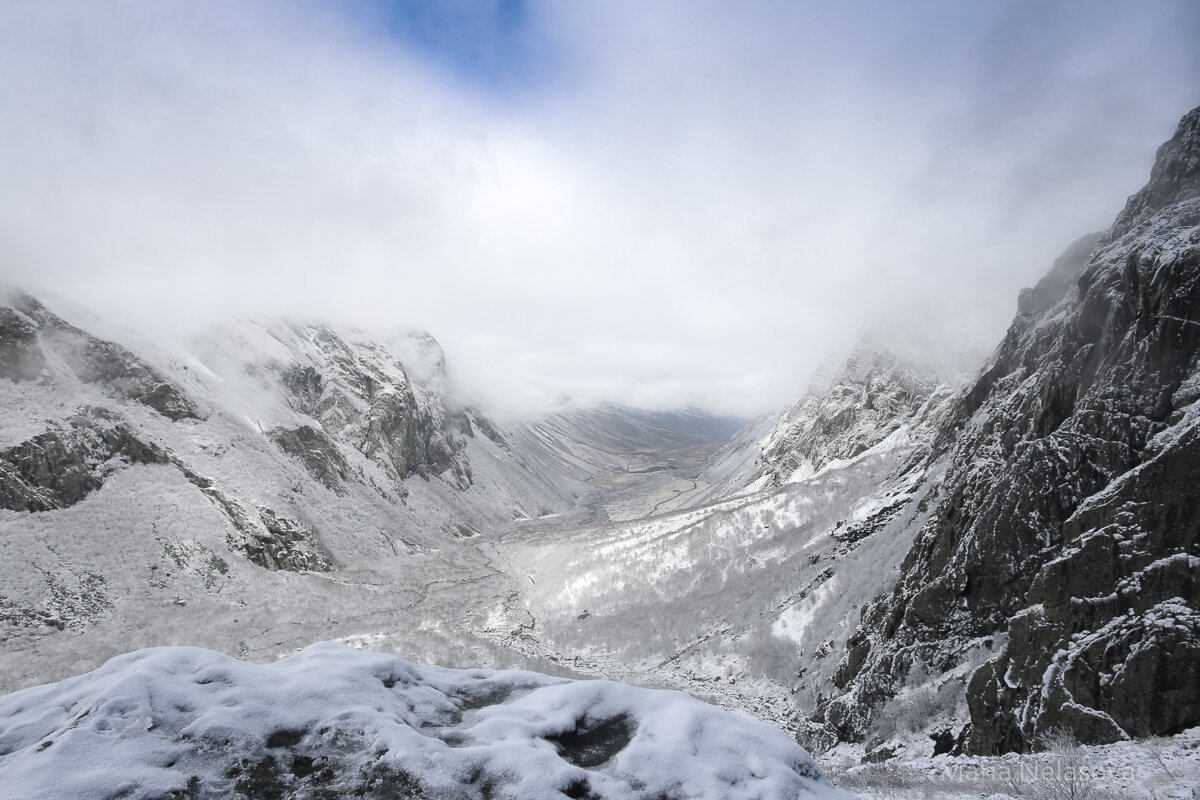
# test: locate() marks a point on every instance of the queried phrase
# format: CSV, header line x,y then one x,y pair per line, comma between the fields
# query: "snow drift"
x,y
334,722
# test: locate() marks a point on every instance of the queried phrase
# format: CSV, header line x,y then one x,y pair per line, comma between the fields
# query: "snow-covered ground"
x,y
1166,768
334,722
742,602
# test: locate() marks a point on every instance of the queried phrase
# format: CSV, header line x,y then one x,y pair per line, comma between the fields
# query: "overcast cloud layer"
x,y
662,203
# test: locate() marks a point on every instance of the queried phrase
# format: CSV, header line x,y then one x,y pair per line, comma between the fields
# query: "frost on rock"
x,y
61,466
334,722
1069,513
29,333
874,395
360,393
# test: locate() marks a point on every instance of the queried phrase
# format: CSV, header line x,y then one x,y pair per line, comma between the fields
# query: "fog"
x,y
663,204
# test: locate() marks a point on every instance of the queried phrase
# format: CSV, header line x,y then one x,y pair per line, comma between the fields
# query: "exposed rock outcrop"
x,y
1065,530
60,467
360,394
873,395
28,329
262,536
313,449
21,358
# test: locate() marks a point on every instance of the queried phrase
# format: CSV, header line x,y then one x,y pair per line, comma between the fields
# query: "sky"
x,y
666,204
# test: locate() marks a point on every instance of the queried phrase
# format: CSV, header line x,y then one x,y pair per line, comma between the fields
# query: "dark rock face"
x,y
1067,518
361,396
27,329
60,467
1174,177
305,387
398,431
126,376
593,743
472,419
319,455
1055,284
1114,625
289,545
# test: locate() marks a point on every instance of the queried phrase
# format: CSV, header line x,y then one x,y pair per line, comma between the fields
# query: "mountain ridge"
x,y
1083,403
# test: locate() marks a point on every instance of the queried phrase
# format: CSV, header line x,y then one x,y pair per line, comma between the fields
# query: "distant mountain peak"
x,y
1174,178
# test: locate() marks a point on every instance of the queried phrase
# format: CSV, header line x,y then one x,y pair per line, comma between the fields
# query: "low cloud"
x,y
665,204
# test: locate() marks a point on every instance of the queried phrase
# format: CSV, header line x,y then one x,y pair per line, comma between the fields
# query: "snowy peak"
x,y
875,394
1062,549
1174,178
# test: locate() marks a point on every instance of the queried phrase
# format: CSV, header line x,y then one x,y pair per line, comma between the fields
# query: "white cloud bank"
x,y
688,204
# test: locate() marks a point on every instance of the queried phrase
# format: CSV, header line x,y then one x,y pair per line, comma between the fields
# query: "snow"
x,y
1149,769
184,719
793,622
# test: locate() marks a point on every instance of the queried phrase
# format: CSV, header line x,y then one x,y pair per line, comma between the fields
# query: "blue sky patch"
x,y
491,45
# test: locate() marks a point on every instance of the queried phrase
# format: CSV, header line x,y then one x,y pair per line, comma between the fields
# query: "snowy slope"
x,y
889,561
634,463
253,491
935,569
744,601
333,722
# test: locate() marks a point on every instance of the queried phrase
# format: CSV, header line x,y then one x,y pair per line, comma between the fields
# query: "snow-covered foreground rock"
x,y
334,722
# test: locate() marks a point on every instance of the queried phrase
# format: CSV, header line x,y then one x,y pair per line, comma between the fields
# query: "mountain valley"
x,y
900,565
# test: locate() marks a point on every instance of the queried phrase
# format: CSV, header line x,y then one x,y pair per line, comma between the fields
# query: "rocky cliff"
x,y
872,395
875,393
35,343
154,491
1062,549
358,393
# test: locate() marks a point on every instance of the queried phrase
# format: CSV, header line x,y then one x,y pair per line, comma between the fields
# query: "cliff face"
x,y
875,396
360,394
1063,541
73,455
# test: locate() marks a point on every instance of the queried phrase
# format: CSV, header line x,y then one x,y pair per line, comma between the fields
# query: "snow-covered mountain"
x,y
745,600
234,492
265,486
1055,581
897,560
850,406
918,568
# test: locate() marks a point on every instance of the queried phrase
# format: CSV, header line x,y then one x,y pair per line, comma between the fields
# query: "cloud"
x,y
665,203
